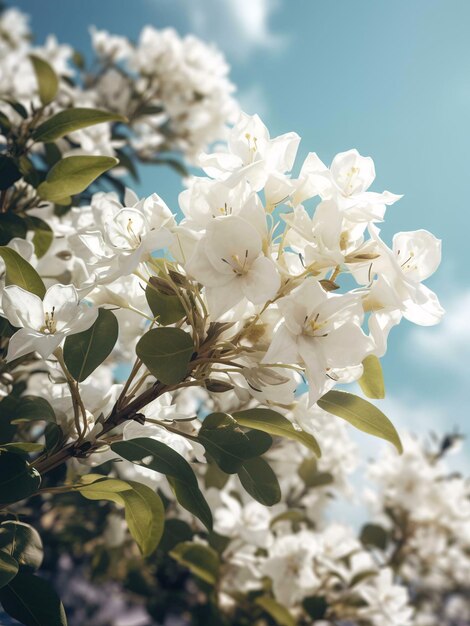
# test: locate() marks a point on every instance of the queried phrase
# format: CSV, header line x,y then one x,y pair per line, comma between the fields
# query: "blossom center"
x,y
50,324
238,265
313,326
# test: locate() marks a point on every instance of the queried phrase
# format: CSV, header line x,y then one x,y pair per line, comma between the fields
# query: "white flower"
x,y
249,522
397,290
44,323
346,182
109,47
206,199
255,157
128,235
229,261
387,603
321,331
290,567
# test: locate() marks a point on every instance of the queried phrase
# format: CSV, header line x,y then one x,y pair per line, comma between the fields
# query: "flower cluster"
x,y
191,358
174,91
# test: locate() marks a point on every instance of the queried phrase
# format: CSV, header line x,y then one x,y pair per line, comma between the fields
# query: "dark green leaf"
x,y
26,409
67,121
85,351
6,329
32,601
315,607
175,532
73,175
163,459
228,444
167,309
20,272
54,436
52,154
18,107
361,414
276,424
374,535
22,542
18,480
48,82
260,481
9,172
201,560
372,380
5,124
166,352
8,568
11,226
29,172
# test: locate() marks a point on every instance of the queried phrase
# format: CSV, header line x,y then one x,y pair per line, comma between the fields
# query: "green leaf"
x,y
176,531
43,235
28,170
11,226
165,460
276,424
294,516
67,121
259,480
277,611
312,478
166,352
228,444
201,560
18,480
18,107
374,535
32,601
85,351
52,154
20,272
372,380
48,81
168,309
8,568
144,509
215,477
26,409
361,414
22,542
73,175
5,124
54,436
22,446
315,606
9,172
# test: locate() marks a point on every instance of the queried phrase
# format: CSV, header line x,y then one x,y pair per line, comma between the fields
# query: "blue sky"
x,y
391,79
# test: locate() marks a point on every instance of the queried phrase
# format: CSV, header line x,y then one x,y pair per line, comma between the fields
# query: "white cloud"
x,y
449,342
236,26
